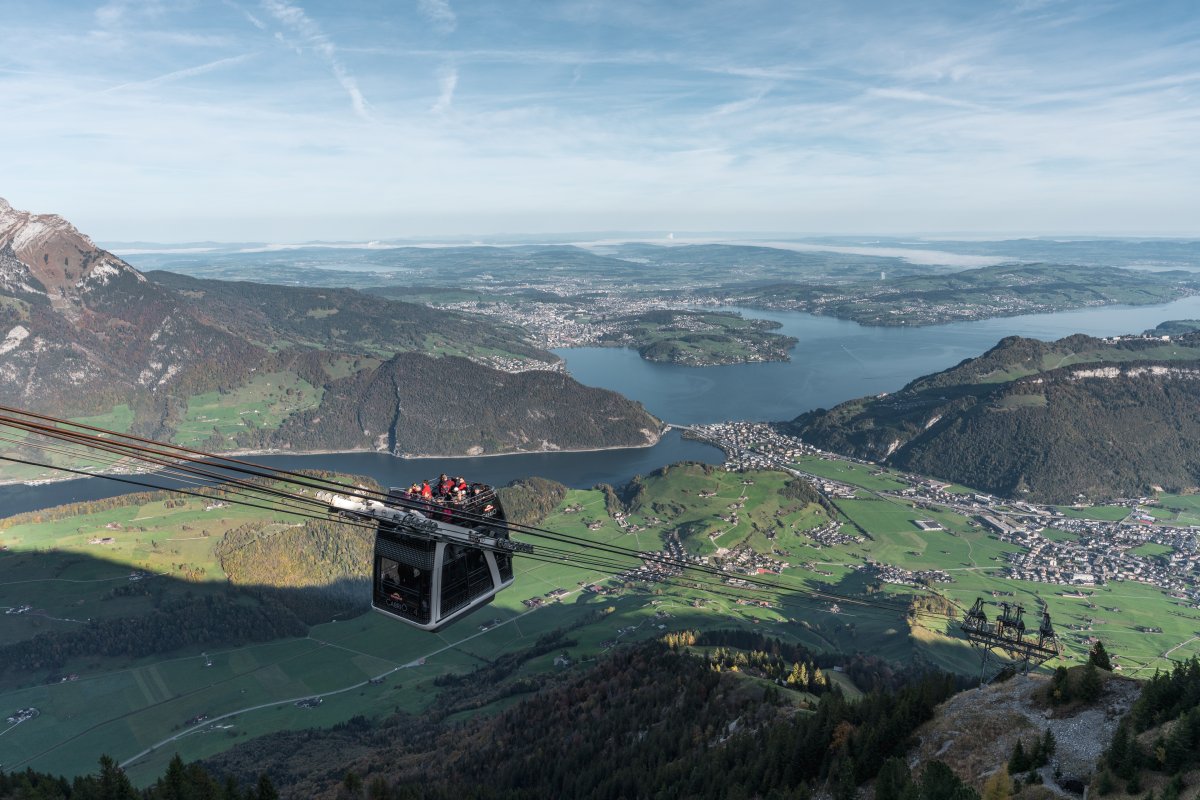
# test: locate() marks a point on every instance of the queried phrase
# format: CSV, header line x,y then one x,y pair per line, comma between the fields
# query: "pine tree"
x,y
1099,656
893,778
1049,745
1060,686
847,786
171,785
1090,685
1018,762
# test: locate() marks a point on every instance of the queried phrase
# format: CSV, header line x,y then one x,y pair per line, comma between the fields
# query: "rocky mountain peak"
x,y
62,259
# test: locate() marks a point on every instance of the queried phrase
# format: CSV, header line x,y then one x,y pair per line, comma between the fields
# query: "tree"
x,y
1090,685
999,786
1060,686
1049,745
939,782
1019,761
847,786
893,778
378,790
171,785
265,789
114,783
352,785
1099,656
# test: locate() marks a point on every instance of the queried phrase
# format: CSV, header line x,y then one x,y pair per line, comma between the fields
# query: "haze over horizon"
x,y
297,121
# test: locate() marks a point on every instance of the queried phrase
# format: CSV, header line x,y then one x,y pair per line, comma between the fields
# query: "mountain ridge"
x,y
82,333
1047,421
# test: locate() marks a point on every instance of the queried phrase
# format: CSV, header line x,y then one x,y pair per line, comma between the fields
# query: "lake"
x,y
835,360
578,470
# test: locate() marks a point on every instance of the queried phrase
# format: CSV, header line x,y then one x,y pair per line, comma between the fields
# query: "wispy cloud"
x,y
738,106
253,20
294,18
439,13
951,116
447,83
180,74
916,96
115,12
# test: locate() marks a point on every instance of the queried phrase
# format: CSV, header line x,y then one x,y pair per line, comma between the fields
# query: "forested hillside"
x,y
1156,748
646,721
1042,421
415,404
346,320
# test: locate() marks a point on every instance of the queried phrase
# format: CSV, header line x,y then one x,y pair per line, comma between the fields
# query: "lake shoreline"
x,y
329,452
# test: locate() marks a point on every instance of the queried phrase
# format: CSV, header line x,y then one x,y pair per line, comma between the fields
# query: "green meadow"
x,y
265,401
62,566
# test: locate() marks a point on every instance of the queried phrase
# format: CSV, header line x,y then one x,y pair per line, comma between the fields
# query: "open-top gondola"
x,y
435,560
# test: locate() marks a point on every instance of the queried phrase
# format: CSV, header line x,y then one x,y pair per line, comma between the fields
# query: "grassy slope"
x,y
122,707
268,399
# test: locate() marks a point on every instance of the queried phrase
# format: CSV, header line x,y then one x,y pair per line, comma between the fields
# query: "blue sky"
x,y
363,119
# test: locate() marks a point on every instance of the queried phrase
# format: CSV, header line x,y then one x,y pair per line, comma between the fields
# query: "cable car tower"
x,y
1005,644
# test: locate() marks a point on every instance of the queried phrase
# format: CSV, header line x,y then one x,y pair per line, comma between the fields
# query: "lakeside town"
x,y
614,319
1055,547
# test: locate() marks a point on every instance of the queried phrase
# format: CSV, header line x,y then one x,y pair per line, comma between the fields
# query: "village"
x,y
1054,547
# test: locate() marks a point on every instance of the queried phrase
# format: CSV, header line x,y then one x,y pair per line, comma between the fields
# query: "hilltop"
x,y
238,364
1044,421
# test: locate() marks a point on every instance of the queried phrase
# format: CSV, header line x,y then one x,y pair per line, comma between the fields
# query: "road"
x,y
291,700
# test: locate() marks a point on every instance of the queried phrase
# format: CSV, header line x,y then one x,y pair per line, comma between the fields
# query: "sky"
x,y
295,120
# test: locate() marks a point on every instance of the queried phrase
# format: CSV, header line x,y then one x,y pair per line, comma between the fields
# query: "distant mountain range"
x,y
1045,421
83,333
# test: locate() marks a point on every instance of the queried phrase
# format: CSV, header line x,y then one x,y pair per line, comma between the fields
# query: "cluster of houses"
x,y
531,603
751,445
1101,552
22,715
654,570
748,561
888,573
562,325
831,534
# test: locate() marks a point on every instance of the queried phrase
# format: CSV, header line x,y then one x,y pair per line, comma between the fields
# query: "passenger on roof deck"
x,y
460,484
444,485
426,491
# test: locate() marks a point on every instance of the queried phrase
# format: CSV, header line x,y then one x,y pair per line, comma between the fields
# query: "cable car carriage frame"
x,y
435,563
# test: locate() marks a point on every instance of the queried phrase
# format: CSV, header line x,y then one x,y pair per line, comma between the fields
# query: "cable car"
x,y
435,562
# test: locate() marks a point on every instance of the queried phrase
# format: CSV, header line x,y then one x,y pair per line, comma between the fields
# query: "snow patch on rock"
x,y
13,340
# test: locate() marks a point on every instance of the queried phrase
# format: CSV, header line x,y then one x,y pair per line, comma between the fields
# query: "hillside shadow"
x,y
63,609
